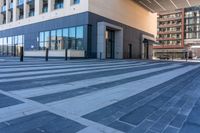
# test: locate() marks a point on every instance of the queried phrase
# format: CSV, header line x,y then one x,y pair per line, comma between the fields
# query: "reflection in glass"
x,y
79,38
65,37
53,40
72,38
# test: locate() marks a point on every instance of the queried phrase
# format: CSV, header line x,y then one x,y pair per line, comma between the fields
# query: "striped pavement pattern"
x,y
94,96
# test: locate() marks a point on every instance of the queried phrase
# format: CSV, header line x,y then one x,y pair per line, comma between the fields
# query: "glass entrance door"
x,y
110,44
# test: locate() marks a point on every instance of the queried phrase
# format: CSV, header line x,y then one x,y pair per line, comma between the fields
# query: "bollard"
x,y
85,54
100,56
21,54
47,54
66,56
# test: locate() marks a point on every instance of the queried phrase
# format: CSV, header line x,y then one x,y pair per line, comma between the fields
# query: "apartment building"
x,y
85,28
170,35
192,31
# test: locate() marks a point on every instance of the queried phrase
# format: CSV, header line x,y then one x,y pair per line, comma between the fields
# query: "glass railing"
x,y
31,13
20,2
3,8
44,9
21,16
11,6
58,5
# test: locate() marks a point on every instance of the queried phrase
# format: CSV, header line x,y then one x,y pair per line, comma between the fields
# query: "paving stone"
x,y
143,127
121,126
6,101
192,118
163,122
25,84
178,121
44,120
137,116
171,130
190,128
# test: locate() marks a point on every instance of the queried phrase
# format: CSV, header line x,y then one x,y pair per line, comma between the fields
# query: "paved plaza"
x,y
99,96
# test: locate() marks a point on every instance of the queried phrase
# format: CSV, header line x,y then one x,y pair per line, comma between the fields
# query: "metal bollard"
x,y
66,54
100,56
47,54
85,54
21,54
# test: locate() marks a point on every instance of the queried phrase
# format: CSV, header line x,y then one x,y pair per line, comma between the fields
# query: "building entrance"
x,y
110,44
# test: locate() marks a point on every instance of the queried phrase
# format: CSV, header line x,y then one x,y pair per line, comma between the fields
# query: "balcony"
x,y
169,19
3,9
11,6
21,17
31,13
169,39
20,2
170,25
4,21
169,32
58,5
30,1
45,9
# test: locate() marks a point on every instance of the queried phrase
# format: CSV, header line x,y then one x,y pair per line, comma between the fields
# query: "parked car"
x,y
164,57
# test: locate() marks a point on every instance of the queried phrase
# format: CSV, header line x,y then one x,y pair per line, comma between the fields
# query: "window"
x,y
58,4
1,46
44,40
53,40
79,38
5,45
60,39
76,2
45,6
72,38
10,45
66,37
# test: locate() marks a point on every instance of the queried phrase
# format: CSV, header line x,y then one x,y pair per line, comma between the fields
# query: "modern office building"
x,y
170,35
87,28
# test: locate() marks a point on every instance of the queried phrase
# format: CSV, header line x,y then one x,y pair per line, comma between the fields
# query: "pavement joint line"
x,y
112,92
10,75
44,107
39,91
67,74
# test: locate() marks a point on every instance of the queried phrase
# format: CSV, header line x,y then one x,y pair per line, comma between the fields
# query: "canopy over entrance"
x,y
165,5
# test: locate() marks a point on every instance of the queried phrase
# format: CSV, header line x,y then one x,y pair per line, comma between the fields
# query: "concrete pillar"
x,y
51,5
38,7
14,10
67,3
1,16
7,13
25,9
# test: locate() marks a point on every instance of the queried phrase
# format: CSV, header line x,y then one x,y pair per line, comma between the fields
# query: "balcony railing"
x,y
31,13
30,1
168,19
3,9
4,21
21,17
45,9
11,6
169,38
20,2
58,5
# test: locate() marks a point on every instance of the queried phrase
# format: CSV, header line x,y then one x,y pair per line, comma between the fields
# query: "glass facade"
x,y
11,45
192,23
60,39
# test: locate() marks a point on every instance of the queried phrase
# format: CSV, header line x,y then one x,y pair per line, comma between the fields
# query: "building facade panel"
x,y
60,25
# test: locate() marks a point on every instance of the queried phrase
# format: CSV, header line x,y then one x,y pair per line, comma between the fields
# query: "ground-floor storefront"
x,y
169,53
82,35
